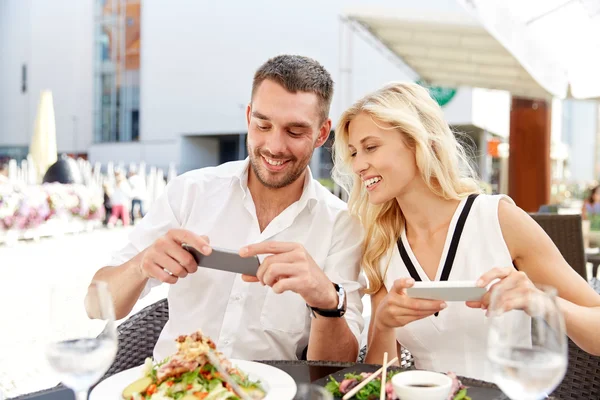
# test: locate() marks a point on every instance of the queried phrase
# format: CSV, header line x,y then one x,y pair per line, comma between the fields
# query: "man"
x,y
269,205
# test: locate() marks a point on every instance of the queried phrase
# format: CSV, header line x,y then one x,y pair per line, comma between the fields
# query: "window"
x,y
117,70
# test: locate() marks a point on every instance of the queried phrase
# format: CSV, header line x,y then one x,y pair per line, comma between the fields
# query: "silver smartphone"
x,y
447,291
225,260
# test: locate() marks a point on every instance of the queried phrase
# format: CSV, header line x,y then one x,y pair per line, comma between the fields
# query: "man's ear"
x,y
324,132
248,114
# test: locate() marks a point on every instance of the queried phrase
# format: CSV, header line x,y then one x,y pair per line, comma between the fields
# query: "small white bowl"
x,y
421,385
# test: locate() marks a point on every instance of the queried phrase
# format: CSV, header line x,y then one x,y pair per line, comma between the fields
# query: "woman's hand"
x,y
398,309
512,291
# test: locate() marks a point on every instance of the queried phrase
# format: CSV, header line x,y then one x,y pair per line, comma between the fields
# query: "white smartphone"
x,y
225,260
447,291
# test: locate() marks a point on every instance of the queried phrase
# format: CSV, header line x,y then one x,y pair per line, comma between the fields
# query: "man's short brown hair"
x,y
298,74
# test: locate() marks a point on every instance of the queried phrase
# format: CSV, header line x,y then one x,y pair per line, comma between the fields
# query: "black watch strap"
x,y
336,312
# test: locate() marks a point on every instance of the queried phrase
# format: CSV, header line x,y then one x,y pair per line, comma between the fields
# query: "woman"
x,y
425,219
120,200
591,205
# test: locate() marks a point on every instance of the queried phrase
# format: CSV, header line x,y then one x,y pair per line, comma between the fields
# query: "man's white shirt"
x,y
248,320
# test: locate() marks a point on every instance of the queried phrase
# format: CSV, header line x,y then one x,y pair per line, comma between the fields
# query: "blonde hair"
x,y
442,161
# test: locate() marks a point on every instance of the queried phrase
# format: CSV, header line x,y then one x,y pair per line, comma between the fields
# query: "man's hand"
x,y
167,261
290,267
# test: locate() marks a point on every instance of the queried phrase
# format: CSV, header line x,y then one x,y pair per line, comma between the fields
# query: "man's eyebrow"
x,y
299,124
294,124
258,115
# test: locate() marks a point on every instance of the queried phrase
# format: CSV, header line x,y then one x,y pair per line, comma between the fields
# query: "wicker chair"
x,y
595,283
406,359
582,380
566,233
138,335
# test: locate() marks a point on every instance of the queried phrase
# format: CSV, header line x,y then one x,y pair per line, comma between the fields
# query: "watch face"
x,y
339,311
342,294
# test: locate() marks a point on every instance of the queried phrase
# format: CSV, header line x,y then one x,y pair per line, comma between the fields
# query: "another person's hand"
x,y
290,267
512,290
398,309
167,261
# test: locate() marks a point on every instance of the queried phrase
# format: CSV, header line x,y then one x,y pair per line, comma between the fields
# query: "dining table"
x,y
314,372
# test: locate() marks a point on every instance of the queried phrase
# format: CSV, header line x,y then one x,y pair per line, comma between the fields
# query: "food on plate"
x,y
189,375
372,389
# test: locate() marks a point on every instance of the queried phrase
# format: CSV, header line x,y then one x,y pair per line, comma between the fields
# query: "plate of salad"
x,y
189,374
344,381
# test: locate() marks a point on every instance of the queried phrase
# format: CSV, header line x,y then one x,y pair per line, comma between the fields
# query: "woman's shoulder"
x,y
493,200
487,208
519,229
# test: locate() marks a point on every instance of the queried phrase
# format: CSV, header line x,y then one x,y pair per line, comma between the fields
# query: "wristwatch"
x,y
336,312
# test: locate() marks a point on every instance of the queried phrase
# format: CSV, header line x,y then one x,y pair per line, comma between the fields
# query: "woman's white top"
x,y
456,339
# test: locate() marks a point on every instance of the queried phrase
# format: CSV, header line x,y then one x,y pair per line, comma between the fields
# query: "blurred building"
x,y
46,45
580,130
168,82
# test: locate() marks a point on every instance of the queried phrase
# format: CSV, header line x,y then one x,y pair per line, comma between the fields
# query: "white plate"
x,y
278,384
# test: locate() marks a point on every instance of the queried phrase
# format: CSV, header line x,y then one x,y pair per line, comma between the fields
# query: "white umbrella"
x,y
86,171
556,41
98,173
43,143
172,172
25,171
13,171
110,173
31,171
159,183
144,178
150,185
142,171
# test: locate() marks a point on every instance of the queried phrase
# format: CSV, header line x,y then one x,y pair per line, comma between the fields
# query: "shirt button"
x,y
237,297
225,342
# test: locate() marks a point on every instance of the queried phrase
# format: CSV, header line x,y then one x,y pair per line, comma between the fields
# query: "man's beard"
x,y
294,169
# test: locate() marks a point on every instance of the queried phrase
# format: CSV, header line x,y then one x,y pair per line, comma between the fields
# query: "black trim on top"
x,y
409,265
460,225
451,251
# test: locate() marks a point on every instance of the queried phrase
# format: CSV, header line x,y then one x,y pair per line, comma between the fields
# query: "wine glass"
x,y
527,347
81,348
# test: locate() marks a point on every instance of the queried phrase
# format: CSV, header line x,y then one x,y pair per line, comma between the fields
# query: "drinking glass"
x,y
527,347
82,340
